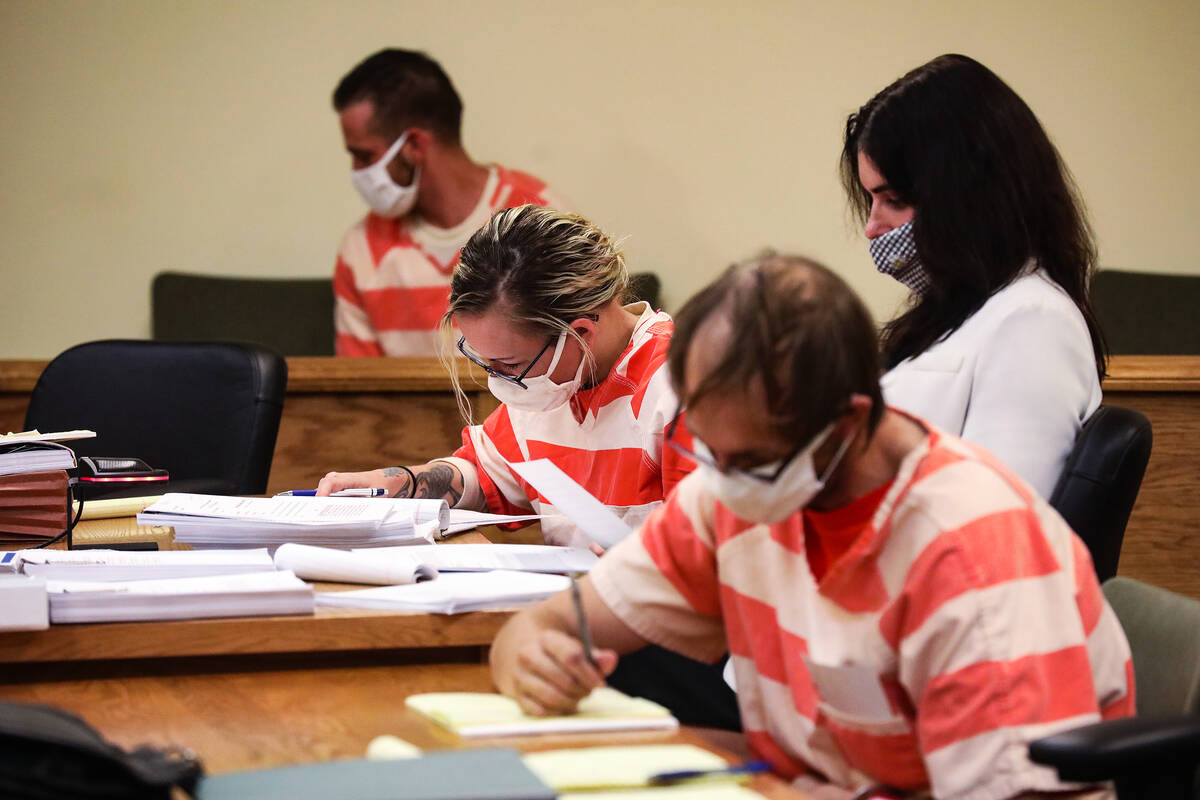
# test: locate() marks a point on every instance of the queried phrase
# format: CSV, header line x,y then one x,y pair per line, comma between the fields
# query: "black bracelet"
x,y
413,477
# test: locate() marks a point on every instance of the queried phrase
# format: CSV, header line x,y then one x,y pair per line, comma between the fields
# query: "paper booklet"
x,y
474,714
129,565
251,594
387,566
358,566
486,557
454,592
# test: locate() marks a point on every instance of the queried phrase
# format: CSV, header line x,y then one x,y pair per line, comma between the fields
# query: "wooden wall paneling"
x,y
1162,540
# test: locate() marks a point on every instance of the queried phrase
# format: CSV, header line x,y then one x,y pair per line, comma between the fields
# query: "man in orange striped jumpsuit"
x,y
900,608
401,117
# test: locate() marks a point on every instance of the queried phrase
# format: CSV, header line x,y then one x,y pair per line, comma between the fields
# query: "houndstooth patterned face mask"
x,y
895,254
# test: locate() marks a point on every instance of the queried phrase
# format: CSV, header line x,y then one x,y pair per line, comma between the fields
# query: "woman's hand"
x,y
395,480
549,674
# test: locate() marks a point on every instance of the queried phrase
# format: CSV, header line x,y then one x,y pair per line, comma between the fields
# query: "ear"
x,y
587,329
418,145
858,410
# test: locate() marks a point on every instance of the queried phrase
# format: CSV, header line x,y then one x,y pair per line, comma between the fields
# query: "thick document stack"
x,y
246,595
207,521
33,486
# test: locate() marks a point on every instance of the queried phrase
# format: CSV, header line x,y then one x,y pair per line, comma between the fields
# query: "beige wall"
x,y
149,135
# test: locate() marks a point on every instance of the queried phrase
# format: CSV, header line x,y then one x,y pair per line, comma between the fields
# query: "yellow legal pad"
x,y
589,769
473,714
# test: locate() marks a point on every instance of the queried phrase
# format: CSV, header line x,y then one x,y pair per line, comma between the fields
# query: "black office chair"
x,y
293,316
206,412
1155,754
1144,313
1100,481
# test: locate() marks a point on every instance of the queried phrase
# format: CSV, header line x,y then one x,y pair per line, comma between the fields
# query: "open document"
x,y
205,521
454,593
208,521
486,557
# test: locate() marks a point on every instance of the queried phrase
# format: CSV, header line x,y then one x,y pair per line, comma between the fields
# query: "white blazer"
x,y
1018,377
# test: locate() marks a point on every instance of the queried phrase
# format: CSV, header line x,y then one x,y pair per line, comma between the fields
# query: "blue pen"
x,y
731,772
342,493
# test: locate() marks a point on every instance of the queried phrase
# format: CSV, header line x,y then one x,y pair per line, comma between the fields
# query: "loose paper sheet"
x,y
593,517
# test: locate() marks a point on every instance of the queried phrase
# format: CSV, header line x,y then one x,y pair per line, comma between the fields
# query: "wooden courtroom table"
x,y
236,717
352,414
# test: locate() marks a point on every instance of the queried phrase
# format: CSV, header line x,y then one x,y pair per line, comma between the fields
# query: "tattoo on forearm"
x,y
406,489
438,482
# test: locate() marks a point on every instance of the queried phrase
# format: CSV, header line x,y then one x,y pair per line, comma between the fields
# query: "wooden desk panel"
x,y
330,629
273,715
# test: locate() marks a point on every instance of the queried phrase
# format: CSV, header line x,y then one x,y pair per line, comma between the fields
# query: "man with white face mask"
x,y
900,608
401,118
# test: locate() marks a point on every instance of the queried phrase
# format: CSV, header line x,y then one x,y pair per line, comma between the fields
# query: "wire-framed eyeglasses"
x,y
767,473
518,380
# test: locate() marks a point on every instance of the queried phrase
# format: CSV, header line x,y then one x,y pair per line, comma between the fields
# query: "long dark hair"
x,y
989,189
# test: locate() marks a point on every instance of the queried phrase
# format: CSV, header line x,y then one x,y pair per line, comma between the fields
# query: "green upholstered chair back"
x,y
292,316
1163,629
1144,313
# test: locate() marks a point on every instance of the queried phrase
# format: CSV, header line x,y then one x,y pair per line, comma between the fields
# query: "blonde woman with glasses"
x,y
539,298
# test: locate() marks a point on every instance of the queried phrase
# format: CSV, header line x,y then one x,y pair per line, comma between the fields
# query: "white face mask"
x,y
895,254
757,500
541,393
385,197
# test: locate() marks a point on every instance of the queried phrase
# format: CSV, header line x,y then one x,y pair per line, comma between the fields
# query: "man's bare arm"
x,y
539,660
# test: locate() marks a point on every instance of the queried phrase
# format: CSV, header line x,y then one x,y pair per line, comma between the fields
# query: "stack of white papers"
x,y
207,521
126,565
487,557
454,593
18,457
252,594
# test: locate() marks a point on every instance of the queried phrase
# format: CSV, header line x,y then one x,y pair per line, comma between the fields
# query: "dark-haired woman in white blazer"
x,y
967,202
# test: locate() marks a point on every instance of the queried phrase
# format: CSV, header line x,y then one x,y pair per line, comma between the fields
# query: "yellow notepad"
x,y
588,769
472,714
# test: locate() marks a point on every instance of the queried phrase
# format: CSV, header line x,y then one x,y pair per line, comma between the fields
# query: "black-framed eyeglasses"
x,y
514,379
707,460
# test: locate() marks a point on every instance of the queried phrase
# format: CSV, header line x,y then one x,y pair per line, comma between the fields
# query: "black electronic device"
x,y
104,469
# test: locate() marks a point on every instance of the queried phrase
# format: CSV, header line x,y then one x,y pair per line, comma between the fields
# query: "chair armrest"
x,y
1108,750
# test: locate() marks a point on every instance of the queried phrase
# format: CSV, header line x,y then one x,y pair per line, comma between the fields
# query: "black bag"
x,y
49,754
